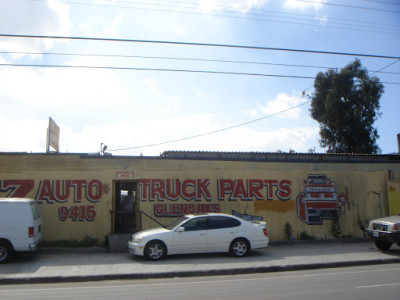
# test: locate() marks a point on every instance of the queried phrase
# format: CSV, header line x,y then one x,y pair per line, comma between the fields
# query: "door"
x,y
125,206
221,232
193,239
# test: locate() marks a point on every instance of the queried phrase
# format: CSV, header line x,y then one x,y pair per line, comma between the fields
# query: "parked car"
x,y
20,226
385,231
200,234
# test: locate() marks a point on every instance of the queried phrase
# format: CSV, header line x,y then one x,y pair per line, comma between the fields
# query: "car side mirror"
x,y
180,229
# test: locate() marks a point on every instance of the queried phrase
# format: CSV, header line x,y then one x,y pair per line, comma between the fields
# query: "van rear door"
x,y
35,230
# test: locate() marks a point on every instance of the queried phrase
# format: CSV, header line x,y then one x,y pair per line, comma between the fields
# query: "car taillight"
x,y
265,231
31,231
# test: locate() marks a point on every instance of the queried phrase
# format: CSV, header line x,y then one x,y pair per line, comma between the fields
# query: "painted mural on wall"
x,y
77,195
261,192
320,200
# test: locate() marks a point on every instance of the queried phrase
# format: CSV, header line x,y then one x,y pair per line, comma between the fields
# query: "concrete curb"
x,y
321,242
72,250
216,272
97,249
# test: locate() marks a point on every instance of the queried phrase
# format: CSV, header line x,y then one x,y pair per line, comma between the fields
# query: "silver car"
x,y
200,234
385,232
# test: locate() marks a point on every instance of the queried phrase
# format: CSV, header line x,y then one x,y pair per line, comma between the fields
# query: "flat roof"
x,y
284,157
239,156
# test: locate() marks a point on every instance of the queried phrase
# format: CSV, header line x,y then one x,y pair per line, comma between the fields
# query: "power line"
x,y
187,59
200,45
385,67
349,6
196,4
168,70
381,2
232,10
158,70
210,132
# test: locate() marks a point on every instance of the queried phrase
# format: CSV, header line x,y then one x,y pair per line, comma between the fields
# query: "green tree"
x,y
346,104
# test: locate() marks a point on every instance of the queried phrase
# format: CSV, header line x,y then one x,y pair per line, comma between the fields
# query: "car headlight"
x,y
396,227
137,239
370,225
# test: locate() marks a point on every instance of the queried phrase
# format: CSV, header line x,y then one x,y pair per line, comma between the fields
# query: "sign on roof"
x,y
53,136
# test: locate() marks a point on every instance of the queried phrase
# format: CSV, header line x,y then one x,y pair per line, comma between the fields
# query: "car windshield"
x,y
176,222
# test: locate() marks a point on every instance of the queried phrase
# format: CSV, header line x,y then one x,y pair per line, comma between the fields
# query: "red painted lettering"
x,y
94,190
225,186
284,191
270,190
239,191
188,184
45,191
157,190
255,187
191,209
62,190
78,185
172,189
144,186
202,189
19,188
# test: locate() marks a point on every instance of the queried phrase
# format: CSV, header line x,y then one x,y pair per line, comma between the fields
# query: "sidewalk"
x,y
70,265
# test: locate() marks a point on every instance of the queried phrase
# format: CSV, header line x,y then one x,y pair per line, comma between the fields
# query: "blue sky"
x,y
129,109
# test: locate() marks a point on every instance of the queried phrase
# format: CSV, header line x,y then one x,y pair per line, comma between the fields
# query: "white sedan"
x,y
199,234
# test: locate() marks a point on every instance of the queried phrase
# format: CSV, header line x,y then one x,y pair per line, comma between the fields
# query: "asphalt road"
x,y
368,282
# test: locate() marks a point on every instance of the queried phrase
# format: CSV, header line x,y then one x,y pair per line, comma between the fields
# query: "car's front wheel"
x,y
383,245
155,250
239,247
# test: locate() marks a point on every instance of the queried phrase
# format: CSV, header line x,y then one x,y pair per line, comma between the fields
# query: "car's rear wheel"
x,y
383,245
155,250
239,247
6,252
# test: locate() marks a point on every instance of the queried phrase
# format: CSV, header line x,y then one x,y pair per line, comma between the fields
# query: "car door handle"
x,y
202,234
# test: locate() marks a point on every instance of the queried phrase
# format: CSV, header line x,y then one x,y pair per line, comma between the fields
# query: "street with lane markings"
x,y
367,282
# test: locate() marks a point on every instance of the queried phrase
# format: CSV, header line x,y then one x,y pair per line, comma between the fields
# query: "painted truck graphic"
x,y
320,200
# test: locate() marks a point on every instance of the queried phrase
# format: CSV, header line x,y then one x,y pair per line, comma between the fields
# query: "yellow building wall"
x,y
76,192
394,197
362,205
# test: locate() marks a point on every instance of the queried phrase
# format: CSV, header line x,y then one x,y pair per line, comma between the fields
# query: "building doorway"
x,y
125,207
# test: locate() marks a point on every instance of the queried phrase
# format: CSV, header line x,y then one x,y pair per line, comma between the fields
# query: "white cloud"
x,y
244,139
179,30
40,18
23,135
132,133
303,5
283,106
321,21
59,18
207,6
164,103
113,27
64,87
29,134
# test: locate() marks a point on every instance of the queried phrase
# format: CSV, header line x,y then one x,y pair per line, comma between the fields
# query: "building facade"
x,y
298,195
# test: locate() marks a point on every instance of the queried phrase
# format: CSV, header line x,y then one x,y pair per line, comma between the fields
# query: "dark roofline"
x,y
283,157
241,156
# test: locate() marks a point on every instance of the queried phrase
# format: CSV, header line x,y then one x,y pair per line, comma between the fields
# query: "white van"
x,y
20,226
